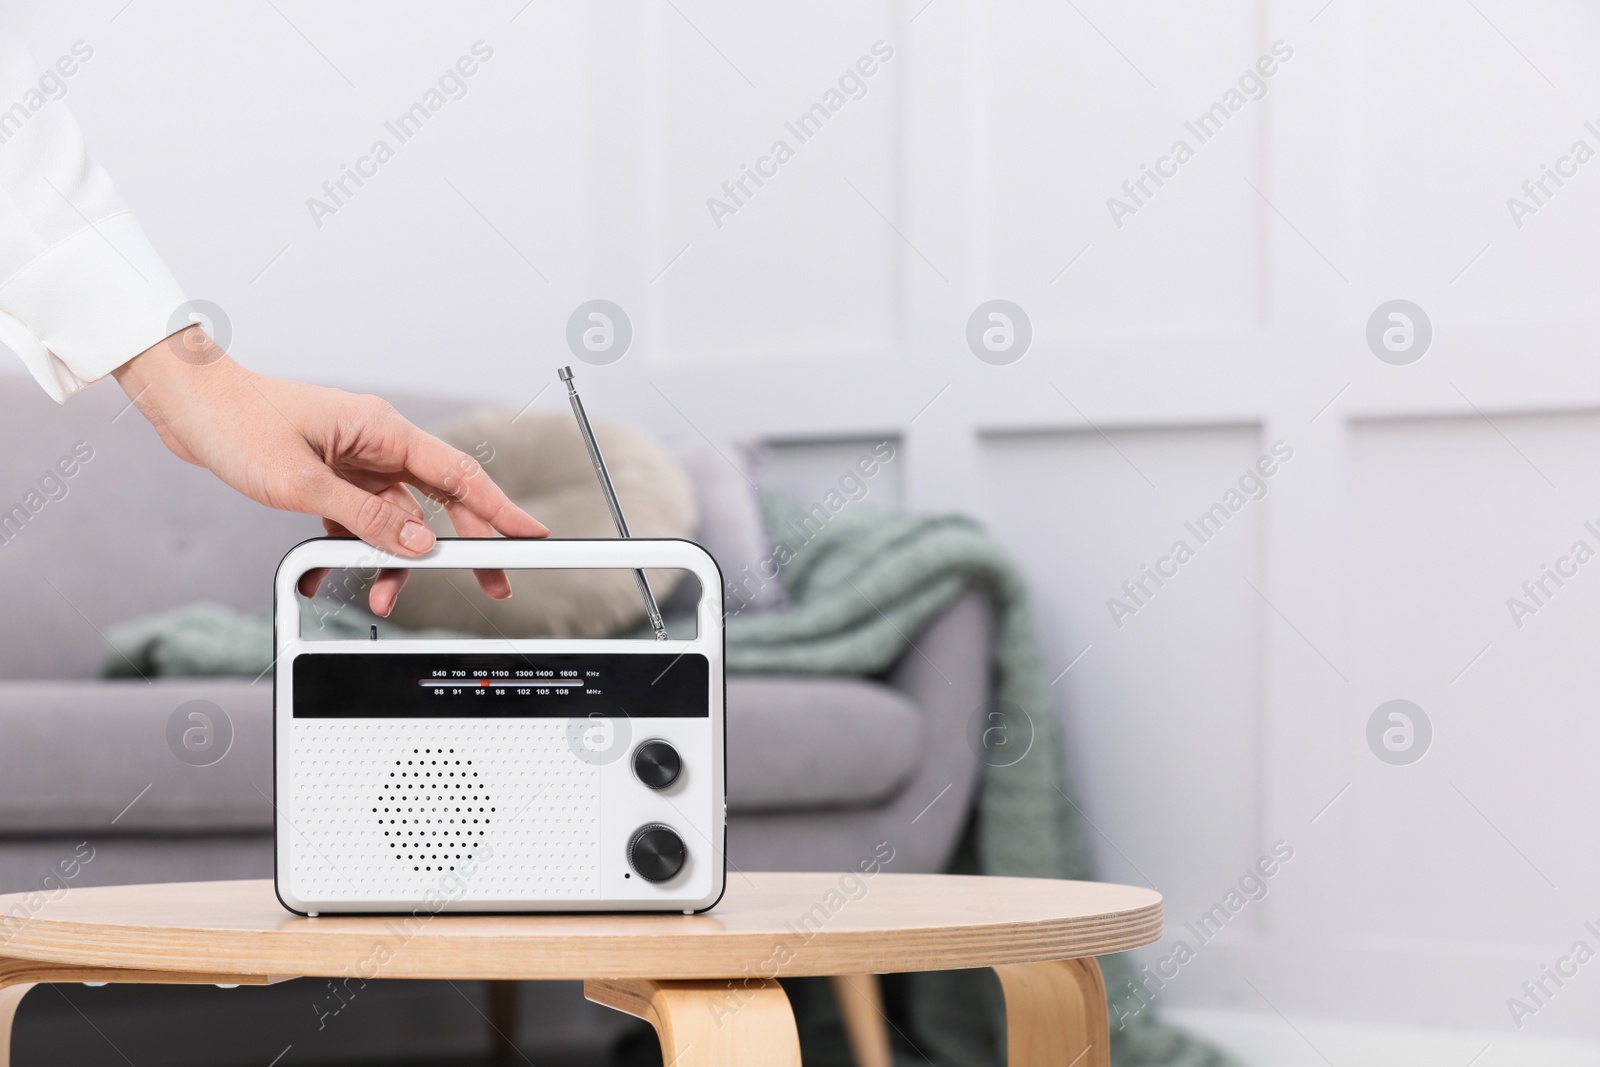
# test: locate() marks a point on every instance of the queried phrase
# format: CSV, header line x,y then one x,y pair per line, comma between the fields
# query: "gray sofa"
x,y
820,770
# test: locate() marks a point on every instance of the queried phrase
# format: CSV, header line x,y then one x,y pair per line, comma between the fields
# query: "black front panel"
x,y
356,685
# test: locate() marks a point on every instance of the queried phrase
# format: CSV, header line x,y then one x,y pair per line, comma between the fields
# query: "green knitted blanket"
x,y
858,583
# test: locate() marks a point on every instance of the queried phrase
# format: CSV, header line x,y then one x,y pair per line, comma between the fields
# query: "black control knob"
x,y
656,764
656,852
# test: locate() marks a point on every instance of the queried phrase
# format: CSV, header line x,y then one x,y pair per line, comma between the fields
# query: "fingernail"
x,y
415,536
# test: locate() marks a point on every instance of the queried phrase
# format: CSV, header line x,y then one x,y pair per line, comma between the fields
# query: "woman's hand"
x,y
320,451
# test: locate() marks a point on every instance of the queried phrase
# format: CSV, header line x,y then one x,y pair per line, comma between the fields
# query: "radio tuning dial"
x,y
656,852
656,764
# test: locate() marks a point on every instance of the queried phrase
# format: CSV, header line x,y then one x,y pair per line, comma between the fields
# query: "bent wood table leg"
x,y
10,998
709,1024
866,1027
1056,1014
17,977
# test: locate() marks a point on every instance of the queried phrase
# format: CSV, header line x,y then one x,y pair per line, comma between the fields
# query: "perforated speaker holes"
x,y
434,810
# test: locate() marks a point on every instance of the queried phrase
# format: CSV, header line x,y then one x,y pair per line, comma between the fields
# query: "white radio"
x,y
500,774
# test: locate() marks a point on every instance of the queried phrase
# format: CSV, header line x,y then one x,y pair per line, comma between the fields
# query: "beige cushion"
x,y
539,459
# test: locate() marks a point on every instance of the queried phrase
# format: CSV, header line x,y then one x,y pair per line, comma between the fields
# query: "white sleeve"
x,y
82,291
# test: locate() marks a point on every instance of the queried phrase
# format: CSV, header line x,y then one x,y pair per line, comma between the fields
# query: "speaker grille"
x,y
474,810
435,810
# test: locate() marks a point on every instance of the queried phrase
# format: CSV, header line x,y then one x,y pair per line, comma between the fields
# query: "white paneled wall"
x,y
1225,314
1190,732
808,471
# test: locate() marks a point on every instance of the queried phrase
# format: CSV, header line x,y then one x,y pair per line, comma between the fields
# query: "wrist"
x,y
186,359
176,379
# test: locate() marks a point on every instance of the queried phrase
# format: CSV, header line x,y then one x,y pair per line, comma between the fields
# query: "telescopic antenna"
x,y
651,608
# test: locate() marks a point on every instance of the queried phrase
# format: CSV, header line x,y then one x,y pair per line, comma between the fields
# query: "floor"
x,y
107,1028
1272,1041
300,1024
638,1050
642,1053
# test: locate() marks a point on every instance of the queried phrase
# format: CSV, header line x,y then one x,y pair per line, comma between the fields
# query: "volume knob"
x,y
656,764
656,852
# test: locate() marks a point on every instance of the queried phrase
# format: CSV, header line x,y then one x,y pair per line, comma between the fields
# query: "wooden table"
x,y
705,982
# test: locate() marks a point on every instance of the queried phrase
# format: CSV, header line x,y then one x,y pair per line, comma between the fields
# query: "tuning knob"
x,y
656,852
656,764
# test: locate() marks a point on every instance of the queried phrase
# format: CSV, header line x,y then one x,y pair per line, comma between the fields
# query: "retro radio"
x,y
501,774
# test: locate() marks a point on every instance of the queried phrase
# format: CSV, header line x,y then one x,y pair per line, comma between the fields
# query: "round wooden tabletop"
x,y
766,925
